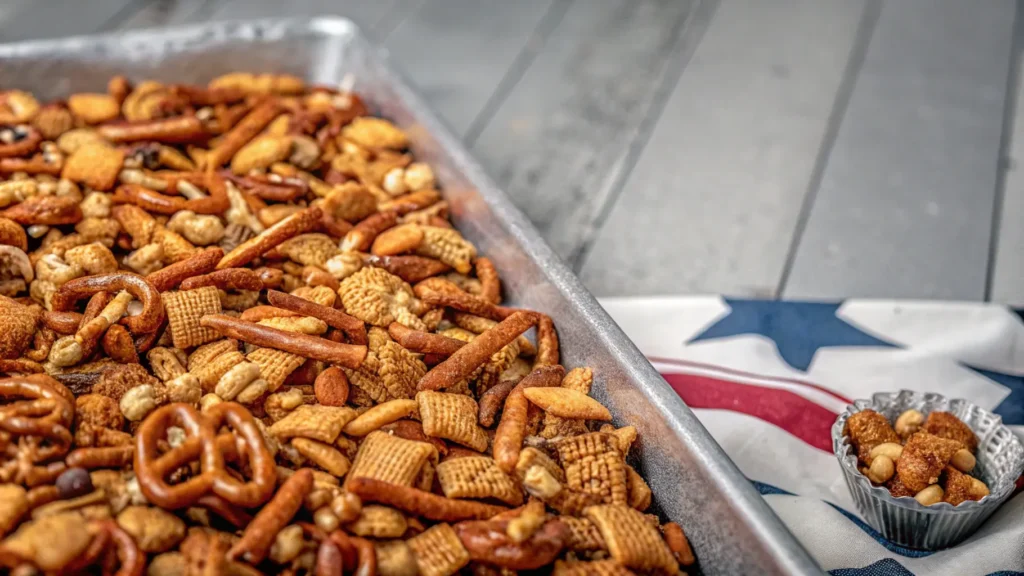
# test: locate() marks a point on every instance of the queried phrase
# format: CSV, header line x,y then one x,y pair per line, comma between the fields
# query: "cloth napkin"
x,y
769,378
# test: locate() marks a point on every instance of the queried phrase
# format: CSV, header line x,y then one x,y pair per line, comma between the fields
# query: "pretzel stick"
x,y
226,279
260,533
424,342
420,503
347,355
412,269
93,458
547,342
257,246
178,130
173,275
489,280
350,325
477,352
508,438
240,135
492,400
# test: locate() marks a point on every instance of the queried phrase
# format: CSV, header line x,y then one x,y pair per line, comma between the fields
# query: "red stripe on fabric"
x,y
690,364
793,413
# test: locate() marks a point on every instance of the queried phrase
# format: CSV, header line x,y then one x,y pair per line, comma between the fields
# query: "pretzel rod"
x,y
293,225
62,322
260,533
360,237
474,354
347,355
179,130
421,503
424,342
245,130
459,300
412,269
34,165
226,279
267,189
93,458
492,400
547,343
333,317
152,307
508,438
489,280
47,210
199,263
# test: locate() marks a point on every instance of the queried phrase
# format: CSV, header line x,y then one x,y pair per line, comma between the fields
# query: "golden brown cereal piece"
x,y
209,374
567,403
378,522
260,153
185,309
868,429
94,108
631,540
448,246
594,568
438,550
946,425
94,258
309,249
530,457
897,489
584,535
389,371
96,165
923,459
391,459
477,477
17,327
323,455
401,238
99,411
206,353
372,132
13,506
275,365
377,297
33,541
153,529
452,417
626,436
380,415
322,423
639,491
116,380
594,464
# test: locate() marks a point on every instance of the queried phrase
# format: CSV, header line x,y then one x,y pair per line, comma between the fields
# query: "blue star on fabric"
x,y
1012,407
798,329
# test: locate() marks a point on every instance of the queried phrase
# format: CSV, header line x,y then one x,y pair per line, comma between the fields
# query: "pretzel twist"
x,y
152,468
152,307
40,408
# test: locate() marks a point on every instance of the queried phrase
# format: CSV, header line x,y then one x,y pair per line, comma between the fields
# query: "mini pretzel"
x,y
226,279
293,225
245,130
48,210
260,533
22,147
508,438
467,359
412,269
488,542
152,307
359,238
152,468
216,203
40,407
178,130
358,553
347,355
195,265
420,503
424,342
350,325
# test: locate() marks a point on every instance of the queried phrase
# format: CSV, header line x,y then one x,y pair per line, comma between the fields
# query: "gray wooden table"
x,y
784,148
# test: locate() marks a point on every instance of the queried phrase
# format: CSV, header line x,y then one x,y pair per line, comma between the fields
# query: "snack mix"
x,y
929,459
240,336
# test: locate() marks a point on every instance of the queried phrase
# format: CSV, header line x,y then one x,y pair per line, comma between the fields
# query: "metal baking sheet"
x,y
731,528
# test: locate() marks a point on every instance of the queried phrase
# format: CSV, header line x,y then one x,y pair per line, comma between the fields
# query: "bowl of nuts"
x,y
924,470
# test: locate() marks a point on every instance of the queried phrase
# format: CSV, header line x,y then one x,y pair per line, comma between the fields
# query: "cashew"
x,y
147,259
890,449
540,483
201,230
347,507
138,402
930,495
52,268
882,469
963,460
12,258
908,423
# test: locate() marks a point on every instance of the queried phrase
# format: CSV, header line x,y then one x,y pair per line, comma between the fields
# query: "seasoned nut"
x,y
346,507
963,460
890,449
138,402
153,529
325,519
908,422
930,495
201,230
94,258
882,468
287,545
184,388
208,401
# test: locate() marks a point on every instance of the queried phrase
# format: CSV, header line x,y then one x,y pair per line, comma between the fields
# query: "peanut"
x,y
890,449
908,423
882,469
930,495
963,460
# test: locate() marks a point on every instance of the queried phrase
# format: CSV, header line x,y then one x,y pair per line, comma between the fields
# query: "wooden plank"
x,y
54,19
561,138
1007,275
906,200
368,14
712,201
457,52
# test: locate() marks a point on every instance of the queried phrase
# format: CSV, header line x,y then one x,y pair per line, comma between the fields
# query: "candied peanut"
x,y
908,422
